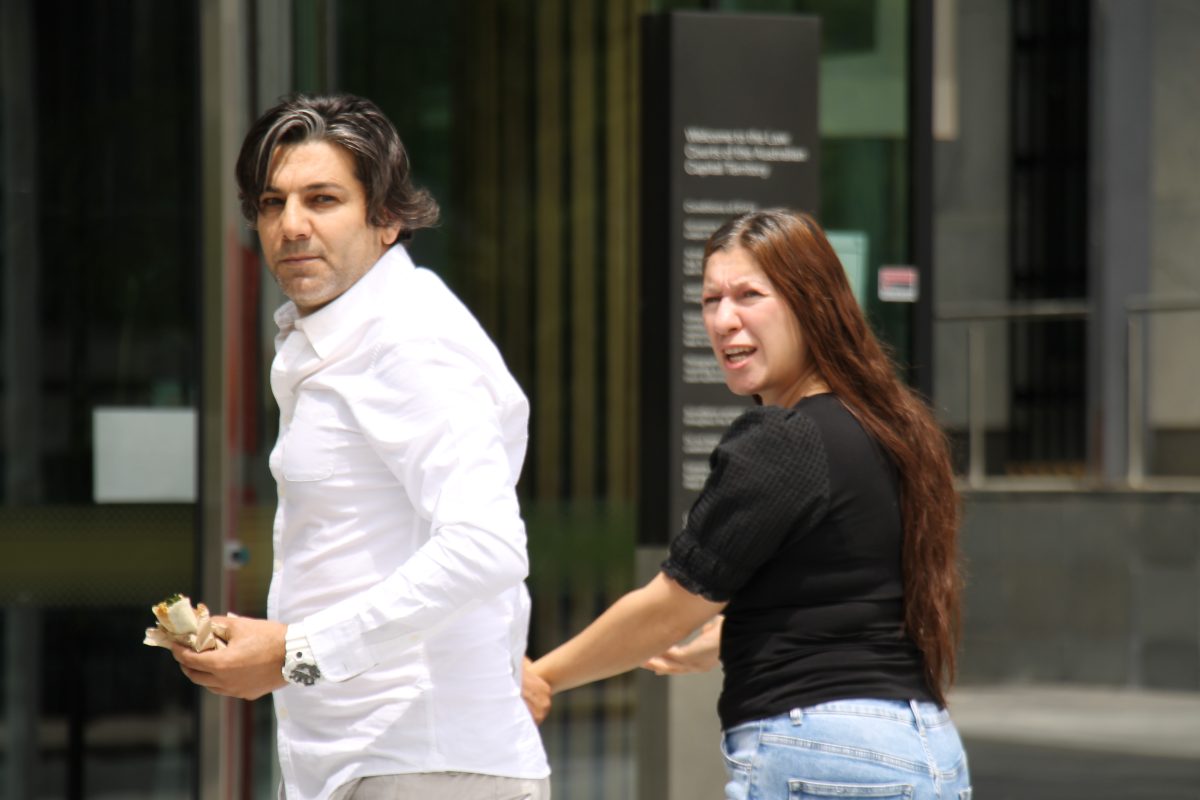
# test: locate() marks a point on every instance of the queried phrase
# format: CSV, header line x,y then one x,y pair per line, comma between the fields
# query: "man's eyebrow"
x,y
312,187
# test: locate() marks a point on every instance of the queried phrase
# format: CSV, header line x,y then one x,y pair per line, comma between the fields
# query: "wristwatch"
x,y
299,665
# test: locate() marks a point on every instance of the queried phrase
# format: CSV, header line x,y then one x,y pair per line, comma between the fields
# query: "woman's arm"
x,y
701,654
641,624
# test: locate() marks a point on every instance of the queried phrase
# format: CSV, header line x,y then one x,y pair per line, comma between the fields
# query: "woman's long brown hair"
x,y
792,251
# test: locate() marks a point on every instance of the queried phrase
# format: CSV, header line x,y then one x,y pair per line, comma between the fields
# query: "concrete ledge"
x,y
1118,721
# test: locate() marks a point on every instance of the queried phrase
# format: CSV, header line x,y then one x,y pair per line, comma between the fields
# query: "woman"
x,y
826,535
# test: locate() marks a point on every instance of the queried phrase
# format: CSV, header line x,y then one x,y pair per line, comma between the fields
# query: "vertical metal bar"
x,y
22,662
21,424
582,325
652,721
270,73
976,404
1135,473
920,189
20,257
620,253
22,359
224,88
332,74
549,276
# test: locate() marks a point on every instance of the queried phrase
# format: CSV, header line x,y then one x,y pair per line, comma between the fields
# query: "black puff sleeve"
x,y
769,481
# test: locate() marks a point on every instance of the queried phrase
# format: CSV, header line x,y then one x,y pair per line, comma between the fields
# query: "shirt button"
x,y
277,565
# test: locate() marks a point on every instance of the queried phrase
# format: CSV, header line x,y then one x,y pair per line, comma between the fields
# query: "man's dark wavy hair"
x,y
356,124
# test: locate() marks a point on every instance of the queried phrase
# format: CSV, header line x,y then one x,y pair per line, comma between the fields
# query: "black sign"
x,y
729,125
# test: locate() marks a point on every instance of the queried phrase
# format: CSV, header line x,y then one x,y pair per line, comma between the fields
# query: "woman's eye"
x,y
270,202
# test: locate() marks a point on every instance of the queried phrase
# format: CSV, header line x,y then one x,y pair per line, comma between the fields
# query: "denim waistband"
x,y
926,713
922,713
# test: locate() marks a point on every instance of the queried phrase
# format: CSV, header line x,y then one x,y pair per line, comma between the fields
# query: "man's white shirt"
x,y
400,553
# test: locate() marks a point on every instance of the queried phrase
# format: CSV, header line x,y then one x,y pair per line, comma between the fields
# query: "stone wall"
x,y
1091,588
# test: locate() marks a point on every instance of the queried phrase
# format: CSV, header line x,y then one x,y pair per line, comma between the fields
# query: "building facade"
x,y
1068,292
1035,162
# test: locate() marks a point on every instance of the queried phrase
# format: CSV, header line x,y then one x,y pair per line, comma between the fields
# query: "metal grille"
x,y
1048,238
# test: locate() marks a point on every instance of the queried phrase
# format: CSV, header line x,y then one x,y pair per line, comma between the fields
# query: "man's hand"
x,y
250,667
535,692
698,655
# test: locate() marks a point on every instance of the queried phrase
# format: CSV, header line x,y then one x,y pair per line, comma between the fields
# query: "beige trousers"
x,y
449,785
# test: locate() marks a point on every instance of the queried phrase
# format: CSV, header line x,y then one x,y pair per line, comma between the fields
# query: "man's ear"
x,y
389,234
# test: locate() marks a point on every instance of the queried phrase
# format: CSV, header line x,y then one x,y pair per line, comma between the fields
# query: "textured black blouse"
x,y
798,528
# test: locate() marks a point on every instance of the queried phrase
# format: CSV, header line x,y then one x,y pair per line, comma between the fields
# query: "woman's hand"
x,y
700,654
535,692
643,622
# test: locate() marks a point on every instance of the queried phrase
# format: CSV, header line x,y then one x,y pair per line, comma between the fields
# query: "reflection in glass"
x,y
99,254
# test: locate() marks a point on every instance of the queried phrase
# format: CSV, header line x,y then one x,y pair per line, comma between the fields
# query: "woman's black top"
x,y
798,527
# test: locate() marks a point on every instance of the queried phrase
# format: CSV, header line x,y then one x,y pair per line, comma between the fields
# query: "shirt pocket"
x,y
308,445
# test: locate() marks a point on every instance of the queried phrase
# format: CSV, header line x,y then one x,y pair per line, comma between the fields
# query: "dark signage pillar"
x,y
729,125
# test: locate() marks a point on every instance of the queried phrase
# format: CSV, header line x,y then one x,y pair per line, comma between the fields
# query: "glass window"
x,y
99,250
521,118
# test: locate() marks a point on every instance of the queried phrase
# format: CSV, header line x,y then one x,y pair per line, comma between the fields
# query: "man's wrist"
x,y
299,664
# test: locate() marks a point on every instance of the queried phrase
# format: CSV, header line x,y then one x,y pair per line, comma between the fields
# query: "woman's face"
x,y
753,332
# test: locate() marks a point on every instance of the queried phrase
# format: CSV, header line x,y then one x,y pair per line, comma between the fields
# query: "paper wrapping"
x,y
191,627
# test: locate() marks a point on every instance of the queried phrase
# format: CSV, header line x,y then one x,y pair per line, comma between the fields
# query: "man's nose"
x,y
294,220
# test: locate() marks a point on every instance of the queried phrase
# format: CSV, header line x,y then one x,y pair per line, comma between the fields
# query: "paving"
x,y
1072,743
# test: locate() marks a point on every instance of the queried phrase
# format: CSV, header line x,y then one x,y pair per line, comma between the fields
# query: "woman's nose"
x,y
724,318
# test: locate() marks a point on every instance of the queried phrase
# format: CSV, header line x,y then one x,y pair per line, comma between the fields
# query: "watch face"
x,y
304,674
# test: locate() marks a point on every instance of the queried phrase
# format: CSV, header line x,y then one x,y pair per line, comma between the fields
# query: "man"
x,y
397,613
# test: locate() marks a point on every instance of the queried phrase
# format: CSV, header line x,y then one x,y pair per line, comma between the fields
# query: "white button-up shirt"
x,y
400,550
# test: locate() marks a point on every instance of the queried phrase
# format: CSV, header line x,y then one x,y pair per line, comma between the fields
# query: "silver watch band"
x,y
299,665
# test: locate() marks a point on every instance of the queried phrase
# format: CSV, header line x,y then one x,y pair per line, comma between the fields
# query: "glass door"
x,y
99,378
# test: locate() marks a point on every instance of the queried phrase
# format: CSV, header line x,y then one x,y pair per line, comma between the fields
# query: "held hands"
x,y
250,667
701,654
535,692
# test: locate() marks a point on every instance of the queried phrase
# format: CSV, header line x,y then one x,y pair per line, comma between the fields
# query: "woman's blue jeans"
x,y
881,749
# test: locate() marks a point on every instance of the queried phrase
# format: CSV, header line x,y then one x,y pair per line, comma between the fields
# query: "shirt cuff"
x,y
339,649
299,662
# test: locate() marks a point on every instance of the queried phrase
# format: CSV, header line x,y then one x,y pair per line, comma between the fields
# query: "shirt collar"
x,y
328,327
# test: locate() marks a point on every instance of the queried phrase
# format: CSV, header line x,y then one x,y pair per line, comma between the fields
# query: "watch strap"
x,y
299,664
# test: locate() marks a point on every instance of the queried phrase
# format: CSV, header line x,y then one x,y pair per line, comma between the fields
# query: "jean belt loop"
x,y
916,710
797,715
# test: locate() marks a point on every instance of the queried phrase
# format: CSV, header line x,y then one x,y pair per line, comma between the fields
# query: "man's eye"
x,y
324,199
269,202
709,301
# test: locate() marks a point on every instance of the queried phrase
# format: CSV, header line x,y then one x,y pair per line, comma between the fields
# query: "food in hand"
x,y
180,623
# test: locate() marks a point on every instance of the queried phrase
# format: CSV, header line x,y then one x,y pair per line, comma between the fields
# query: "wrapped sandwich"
x,y
180,623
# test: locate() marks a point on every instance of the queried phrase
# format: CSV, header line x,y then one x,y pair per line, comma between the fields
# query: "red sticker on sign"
x,y
899,284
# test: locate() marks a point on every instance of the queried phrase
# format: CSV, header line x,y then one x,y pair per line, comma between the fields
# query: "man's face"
x,y
312,223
